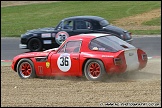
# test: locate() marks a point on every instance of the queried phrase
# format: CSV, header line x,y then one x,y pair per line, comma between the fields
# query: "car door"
x,y
66,60
64,30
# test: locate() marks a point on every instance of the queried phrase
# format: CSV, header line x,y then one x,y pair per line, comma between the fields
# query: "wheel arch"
x,y
87,60
34,37
18,62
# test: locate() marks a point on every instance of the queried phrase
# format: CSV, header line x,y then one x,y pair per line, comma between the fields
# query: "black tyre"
x,y
35,44
94,70
25,69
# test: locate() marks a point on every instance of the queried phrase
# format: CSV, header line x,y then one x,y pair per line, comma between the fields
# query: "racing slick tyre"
x,y
94,70
25,69
35,44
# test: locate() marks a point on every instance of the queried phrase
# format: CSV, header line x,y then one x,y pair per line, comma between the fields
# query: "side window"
x,y
73,47
62,49
68,25
96,25
83,25
89,25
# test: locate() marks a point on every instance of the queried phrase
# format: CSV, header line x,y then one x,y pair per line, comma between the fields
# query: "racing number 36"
x,y
64,61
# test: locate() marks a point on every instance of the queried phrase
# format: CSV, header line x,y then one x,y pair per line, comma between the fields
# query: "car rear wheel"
x,y
35,44
25,69
94,70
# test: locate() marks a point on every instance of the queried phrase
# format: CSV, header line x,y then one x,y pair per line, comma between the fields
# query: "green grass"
x,y
153,22
145,32
15,20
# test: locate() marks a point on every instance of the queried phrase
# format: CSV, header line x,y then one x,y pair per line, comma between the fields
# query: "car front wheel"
x,y
25,69
35,44
94,70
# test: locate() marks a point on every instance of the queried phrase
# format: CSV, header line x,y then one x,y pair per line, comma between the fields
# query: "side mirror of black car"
x,y
59,28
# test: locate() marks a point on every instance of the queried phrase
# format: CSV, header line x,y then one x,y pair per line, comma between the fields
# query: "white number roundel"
x,y
64,62
61,37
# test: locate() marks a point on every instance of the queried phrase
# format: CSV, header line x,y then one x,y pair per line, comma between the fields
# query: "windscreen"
x,y
109,44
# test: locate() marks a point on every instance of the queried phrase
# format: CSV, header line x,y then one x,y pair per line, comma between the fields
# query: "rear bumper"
x,y
23,46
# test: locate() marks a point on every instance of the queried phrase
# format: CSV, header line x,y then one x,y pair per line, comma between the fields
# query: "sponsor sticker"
x,y
47,64
107,56
95,48
46,35
47,41
40,69
101,49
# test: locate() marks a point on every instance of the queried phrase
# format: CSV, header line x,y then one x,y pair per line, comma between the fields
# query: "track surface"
x,y
150,44
143,88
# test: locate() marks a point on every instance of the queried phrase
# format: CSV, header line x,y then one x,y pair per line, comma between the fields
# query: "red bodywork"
x,y
49,67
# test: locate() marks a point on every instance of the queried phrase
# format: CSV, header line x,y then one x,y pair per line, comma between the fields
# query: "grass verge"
x,y
15,20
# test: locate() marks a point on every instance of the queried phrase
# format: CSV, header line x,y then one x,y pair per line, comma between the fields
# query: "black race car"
x,y
46,38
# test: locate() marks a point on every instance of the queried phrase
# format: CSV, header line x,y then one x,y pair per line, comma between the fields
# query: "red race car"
x,y
93,55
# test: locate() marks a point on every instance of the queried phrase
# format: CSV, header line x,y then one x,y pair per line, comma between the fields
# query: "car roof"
x,y
97,18
87,36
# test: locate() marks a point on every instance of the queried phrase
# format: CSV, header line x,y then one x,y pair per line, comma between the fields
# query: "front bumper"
x,y
23,46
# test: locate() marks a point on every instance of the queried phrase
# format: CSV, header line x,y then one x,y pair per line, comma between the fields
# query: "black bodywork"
x,y
46,38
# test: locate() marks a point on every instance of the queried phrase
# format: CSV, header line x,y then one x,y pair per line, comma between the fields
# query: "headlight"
x,y
22,35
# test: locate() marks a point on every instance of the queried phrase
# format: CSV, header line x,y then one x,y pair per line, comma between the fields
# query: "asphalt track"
x,y
150,44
